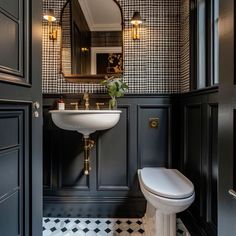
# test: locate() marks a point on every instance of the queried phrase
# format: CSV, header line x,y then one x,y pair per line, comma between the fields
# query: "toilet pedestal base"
x,y
158,224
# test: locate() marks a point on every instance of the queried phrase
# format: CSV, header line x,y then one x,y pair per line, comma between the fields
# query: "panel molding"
x,y
200,221
20,113
126,187
21,74
168,107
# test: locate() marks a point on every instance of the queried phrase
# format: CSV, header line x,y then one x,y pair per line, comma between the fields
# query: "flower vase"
x,y
113,104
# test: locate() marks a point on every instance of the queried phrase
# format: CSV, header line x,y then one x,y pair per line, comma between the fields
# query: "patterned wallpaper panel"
x,y
184,46
151,65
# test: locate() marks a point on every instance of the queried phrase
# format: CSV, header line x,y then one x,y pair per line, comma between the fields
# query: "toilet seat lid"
x,y
169,183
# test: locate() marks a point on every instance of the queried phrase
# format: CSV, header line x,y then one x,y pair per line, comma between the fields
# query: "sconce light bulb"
x,y
49,16
136,19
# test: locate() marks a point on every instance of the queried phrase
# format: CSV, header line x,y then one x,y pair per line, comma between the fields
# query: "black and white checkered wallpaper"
x,y
184,46
152,65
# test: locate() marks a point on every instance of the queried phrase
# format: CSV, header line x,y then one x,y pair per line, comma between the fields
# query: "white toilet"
x,y
167,192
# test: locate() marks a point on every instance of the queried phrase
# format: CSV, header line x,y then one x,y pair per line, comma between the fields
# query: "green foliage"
x,y
115,86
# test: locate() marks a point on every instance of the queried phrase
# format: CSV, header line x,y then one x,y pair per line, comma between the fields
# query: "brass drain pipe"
x,y
88,145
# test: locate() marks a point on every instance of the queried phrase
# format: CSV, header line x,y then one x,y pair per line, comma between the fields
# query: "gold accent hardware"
x,y
76,104
136,21
36,105
98,104
36,114
86,98
50,17
84,49
154,123
88,145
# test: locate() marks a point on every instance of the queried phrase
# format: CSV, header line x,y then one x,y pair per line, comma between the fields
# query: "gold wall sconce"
x,y
84,50
136,21
50,17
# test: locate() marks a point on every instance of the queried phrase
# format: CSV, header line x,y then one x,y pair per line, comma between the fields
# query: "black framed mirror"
x,y
91,40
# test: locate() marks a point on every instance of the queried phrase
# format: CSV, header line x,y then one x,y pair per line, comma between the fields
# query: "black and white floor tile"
x,y
99,227
92,227
181,229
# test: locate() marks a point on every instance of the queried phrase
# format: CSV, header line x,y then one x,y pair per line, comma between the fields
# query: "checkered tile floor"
x,y
91,227
99,227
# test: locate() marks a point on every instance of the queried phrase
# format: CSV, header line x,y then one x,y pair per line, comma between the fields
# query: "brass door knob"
x,y
153,123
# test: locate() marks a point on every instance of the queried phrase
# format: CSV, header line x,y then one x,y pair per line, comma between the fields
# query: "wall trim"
x,y
207,90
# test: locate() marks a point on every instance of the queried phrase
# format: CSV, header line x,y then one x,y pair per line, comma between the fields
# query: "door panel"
x,y
10,207
12,136
9,171
13,168
14,41
20,132
9,43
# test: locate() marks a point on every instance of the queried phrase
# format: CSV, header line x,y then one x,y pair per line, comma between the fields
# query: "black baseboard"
x,y
94,207
197,227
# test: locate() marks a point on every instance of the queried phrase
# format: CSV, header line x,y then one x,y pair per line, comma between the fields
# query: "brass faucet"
x,y
98,104
86,98
76,104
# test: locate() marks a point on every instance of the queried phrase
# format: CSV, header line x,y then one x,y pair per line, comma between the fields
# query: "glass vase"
x,y
113,104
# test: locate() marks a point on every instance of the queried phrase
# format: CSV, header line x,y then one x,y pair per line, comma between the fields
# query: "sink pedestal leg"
x,y
88,144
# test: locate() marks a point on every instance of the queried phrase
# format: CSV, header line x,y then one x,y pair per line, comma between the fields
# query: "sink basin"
x,y
85,121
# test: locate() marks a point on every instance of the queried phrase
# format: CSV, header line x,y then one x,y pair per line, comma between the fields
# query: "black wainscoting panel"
x,y
71,161
213,166
113,154
153,143
192,157
199,158
112,189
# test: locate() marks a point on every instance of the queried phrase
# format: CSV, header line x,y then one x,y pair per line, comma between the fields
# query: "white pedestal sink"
x,y
85,121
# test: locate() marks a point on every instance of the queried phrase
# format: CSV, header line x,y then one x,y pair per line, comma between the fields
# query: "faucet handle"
x,y
76,104
86,96
98,104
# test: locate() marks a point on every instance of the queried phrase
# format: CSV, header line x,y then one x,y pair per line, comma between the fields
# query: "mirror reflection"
x,y
92,43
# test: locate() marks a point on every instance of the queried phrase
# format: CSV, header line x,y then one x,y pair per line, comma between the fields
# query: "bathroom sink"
x,y
85,121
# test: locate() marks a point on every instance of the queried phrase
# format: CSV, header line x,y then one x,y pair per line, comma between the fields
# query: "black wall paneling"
x,y
192,151
14,42
116,157
187,139
154,143
227,105
199,158
112,188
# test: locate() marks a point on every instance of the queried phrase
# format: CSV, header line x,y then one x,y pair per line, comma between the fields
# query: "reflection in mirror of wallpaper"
x,y
151,65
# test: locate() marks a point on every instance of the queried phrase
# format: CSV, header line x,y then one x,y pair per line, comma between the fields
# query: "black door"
x,y
20,118
227,120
